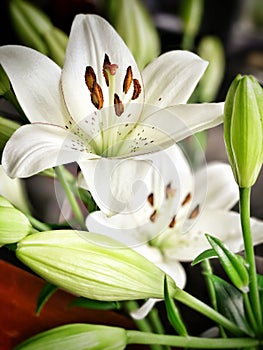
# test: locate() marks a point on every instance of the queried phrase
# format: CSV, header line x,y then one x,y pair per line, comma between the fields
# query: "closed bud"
x,y
7,128
78,337
134,24
36,30
14,225
4,83
211,50
191,12
92,265
243,129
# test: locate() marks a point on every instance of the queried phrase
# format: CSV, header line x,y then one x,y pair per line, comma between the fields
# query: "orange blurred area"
x,y
19,291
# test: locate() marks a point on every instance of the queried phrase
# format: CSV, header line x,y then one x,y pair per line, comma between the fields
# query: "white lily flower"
x,y
99,104
176,233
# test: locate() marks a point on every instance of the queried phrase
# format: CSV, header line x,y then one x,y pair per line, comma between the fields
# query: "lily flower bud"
x,y
4,82
211,50
36,30
78,337
243,129
92,265
140,35
191,12
7,128
14,225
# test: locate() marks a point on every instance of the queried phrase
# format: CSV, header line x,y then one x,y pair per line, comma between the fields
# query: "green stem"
x,y
155,321
143,325
244,194
156,324
207,268
72,200
40,226
136,337
249,311
206,310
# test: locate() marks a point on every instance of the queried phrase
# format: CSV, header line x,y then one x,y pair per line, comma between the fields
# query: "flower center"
x,y
109,71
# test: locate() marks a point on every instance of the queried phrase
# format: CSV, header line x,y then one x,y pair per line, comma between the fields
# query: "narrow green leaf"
x,y
95,304
173,313
234,266
260,288
46,292
207,254
230,303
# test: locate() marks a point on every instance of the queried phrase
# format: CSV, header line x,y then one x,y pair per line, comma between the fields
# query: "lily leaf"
x,y
207,254
173,313
230,303
47,291
260,288
233,265
95,304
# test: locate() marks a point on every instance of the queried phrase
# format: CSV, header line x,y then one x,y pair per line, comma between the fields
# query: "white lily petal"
x,y
174,269
173,169
131,230
171,78
90,39
36,147
144,310
222,190
166,126
116,185
219,223
36,82
157,197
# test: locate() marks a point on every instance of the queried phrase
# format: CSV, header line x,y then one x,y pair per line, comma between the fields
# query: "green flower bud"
x,y
92,265
56,41
78,337
191,12
29,23
7,128
35,29
211,50
243,129
14,225
4,82
134,24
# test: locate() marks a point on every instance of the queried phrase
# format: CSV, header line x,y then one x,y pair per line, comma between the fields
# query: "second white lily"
x,y
172,230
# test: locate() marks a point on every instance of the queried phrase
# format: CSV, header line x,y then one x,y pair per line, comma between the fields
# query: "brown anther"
x,y
118,105
127,80
97,96
150,199
195,212
153,216
106,60
136,89
173,222
187,198
90,78
169,191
